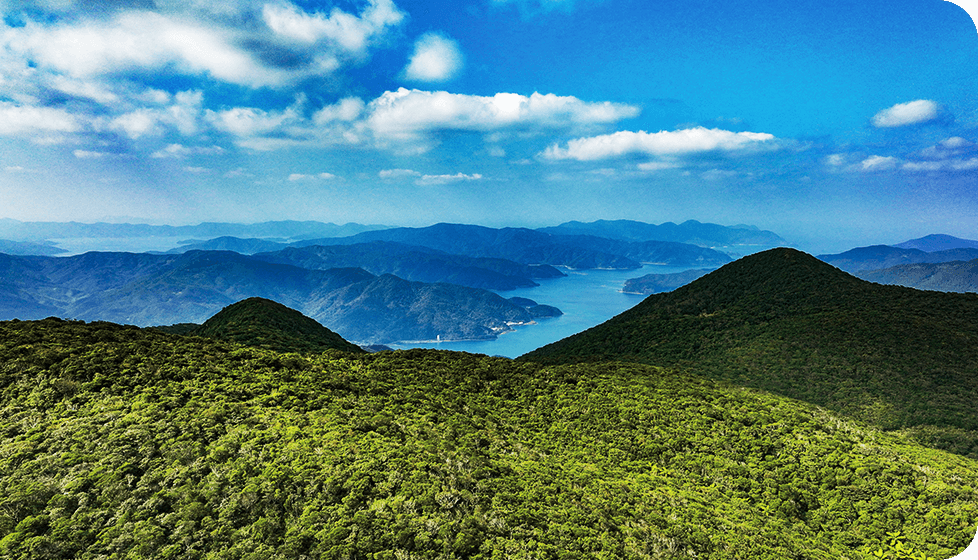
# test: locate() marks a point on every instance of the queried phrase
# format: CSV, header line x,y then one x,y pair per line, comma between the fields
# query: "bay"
x,y
586,297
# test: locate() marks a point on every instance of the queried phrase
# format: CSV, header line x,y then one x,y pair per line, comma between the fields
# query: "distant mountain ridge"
x,y
938,242
784,321
876,257
690,231
36,231
529,246
147,289
416,263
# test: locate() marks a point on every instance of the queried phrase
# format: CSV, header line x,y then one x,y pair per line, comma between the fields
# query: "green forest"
x,y
119,442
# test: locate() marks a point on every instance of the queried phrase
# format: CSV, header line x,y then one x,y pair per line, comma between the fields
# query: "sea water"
x,y
587,298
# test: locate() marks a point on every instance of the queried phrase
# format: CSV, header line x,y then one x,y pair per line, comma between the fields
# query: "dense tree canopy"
x,y
118,442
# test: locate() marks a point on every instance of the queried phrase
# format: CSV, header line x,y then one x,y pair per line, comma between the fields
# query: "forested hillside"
x,y
786,322
128,443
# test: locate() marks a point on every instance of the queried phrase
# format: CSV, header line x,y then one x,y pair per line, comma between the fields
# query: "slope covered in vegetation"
x,y
128,443
786,322
267,324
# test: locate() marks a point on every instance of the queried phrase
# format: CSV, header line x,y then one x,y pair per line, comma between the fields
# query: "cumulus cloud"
x,y
406,114
436,58
20,120
904,114
408,121
879,163
140,41
182,38
663,143
251,122
346,31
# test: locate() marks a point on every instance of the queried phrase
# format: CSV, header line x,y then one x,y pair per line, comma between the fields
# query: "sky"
x,y
834,124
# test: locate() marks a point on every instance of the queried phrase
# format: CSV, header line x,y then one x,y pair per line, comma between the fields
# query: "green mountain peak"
x,y
783,321
265,323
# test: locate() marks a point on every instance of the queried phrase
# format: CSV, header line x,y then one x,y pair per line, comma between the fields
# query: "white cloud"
x,y
924,165
406,114
422,179
141,40
194,39
179,151
965,165
955,142
436,58
20,120
397,173
652,166
345,110
835,160
445,179
87,154
350,33
305,177
879,163
950,147
251,122
956,164
661,143
406,120
903,114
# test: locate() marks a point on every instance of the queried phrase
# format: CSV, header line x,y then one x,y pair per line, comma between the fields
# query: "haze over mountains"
x,y
145,290
375,286
934,262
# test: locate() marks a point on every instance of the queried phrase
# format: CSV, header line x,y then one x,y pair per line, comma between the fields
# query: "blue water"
x,y
587,298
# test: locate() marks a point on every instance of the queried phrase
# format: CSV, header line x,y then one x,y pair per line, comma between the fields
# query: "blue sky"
x,y
832,123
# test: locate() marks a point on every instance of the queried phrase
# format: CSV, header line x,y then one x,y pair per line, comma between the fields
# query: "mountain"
x,y
527,246
27,248
655,283
784,321
415,263
267,324
120,442
391,309
954,276
938,242
248,246
876,257
34,231
147,289
690,231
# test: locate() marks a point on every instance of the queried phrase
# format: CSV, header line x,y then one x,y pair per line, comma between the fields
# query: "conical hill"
x,y
783,321
267,324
